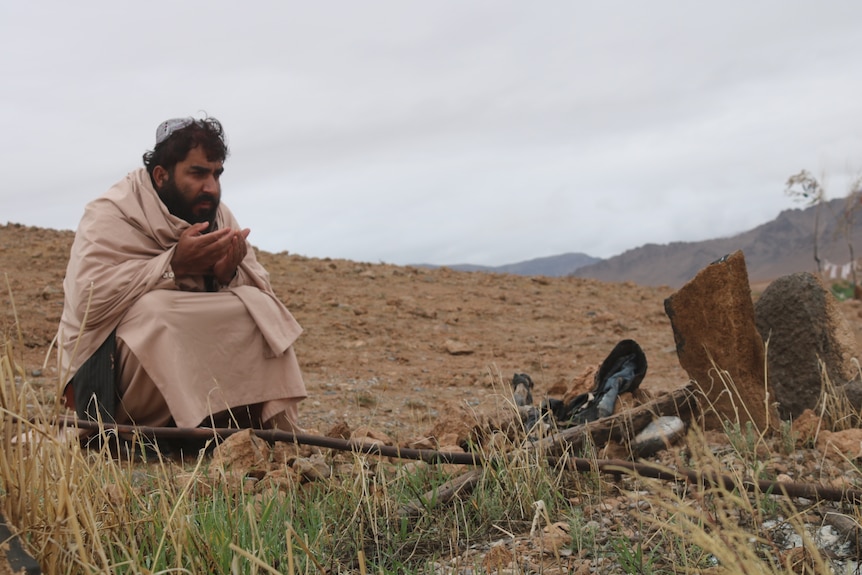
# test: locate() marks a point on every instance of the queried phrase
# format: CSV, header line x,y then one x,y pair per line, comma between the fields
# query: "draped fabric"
x,y
204,351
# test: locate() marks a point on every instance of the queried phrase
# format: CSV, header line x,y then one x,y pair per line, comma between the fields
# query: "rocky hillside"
x,y
780,247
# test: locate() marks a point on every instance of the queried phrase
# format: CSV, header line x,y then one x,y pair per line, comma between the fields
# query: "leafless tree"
x,y
804,188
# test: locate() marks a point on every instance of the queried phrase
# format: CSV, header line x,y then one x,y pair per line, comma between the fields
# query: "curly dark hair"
x,y
207,133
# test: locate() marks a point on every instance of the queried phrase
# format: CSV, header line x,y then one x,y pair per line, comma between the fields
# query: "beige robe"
x,y
202,352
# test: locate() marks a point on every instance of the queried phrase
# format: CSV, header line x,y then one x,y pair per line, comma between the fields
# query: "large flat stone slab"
x,y
718,345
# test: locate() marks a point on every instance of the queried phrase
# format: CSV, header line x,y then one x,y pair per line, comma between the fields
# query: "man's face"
x,y
191,190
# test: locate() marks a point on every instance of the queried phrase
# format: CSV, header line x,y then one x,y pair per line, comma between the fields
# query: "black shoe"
x,y
622,371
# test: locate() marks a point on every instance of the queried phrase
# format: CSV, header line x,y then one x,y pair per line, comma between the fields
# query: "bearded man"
x,y
168,317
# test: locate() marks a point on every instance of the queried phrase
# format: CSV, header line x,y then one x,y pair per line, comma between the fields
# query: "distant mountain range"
x,y
561,265
782,246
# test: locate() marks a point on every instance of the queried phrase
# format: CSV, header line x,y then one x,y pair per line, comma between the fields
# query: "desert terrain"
x,y
390,347
409,352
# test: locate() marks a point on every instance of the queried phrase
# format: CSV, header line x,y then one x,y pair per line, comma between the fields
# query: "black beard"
x,y
177,205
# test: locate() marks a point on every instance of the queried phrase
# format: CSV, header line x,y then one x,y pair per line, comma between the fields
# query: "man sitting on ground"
x,y
168,317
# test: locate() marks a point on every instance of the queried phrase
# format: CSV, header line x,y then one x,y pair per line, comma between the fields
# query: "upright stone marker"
x,y
713,325
803,325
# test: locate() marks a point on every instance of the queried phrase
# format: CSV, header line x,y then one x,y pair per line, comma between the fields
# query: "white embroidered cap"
x,y
168,127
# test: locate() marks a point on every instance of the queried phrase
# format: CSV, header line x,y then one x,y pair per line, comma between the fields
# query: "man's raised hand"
x,y
225,268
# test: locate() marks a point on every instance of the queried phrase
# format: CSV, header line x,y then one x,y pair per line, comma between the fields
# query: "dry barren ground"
x,y
398,348
394,347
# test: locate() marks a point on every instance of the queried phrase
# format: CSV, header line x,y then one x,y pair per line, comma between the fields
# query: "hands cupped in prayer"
x,y
218,253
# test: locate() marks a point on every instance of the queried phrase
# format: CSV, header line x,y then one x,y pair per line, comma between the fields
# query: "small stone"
x,y
806,427
457,348
841,446
242,451
556,537
660,434
370,437
312,468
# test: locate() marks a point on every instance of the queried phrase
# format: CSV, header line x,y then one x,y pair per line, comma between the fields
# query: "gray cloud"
x,y
445,132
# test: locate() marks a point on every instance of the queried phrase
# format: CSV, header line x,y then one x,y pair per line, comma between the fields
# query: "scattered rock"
x,y
841,445
450,447
423,313
283,452
458,425
718,345
545,331
457,348
802,324
340,430
283,479
312,468
847,527
50,292
660,434
806,427
370,437
556,537
243,451
449,441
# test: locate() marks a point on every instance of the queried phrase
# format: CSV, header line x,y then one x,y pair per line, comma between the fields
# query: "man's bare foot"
x,y
282,422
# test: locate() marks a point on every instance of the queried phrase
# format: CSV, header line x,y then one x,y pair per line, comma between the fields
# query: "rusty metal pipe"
x,y
613,466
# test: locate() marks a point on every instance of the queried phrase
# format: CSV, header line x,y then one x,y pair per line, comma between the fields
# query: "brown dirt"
x,y
397,349
394,347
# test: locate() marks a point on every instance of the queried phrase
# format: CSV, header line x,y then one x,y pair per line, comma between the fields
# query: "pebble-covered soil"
x,y
399,349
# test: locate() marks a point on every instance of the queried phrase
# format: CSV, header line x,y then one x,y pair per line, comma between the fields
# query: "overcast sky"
x,y
442,131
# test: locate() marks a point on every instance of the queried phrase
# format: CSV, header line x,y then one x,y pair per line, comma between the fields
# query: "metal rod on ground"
x,y
273,435
806,490
464,483
788,489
